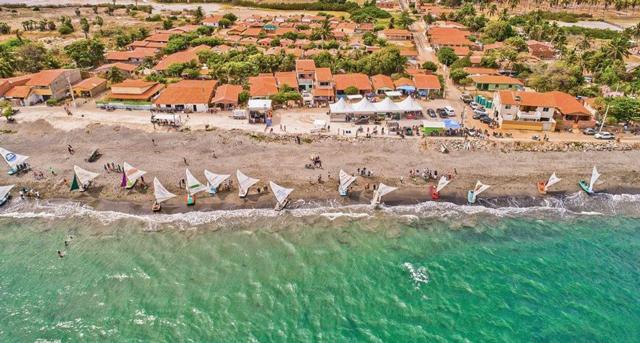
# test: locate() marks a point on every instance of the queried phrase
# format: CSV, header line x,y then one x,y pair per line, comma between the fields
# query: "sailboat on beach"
x,y
13,160
244,183
588,188
435,190
82,179
379,193
131,175
214,181
345,181
4,194
193,187
281,194
473,194
161,194
543,186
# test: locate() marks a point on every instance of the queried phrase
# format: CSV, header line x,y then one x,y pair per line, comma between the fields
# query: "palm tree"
x,y
618,48
584,43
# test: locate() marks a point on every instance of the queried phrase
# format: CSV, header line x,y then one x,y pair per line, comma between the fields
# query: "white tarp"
x,y
84,176
11,158
442,183
132,173
259,105
387,106
214,180
410,105
432,124
160,193
244,183
345,181
594,177
4,190
393,94
193,185
364,106
281,193
340,107
553,179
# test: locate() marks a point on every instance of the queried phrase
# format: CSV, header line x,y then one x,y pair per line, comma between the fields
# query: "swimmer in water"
x,y
60,254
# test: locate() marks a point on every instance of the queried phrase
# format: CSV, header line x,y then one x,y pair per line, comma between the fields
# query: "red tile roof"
x,y
564,102
424,81
90,83
45,77
187,92
496,79
381,81
262,86
305,65
288,78
323,75
227,94
358,80
185,56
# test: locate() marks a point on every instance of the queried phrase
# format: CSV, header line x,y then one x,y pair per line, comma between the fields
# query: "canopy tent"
x,y
259,105
451,124
82,178
340,106
410,105
281,194
387,106
11,158
193,185
364,106
160,193
214,180
345,181
244,183
131,175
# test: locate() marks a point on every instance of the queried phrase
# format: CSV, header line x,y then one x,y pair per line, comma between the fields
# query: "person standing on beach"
x,y
185,161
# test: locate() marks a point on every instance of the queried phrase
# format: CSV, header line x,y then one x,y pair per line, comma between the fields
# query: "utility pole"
x,y
75,106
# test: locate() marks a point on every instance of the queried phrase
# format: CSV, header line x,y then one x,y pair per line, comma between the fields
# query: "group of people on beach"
x,y
364,172
112,167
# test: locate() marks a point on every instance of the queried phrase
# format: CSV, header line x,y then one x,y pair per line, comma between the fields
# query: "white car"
x,y
450,111
604,135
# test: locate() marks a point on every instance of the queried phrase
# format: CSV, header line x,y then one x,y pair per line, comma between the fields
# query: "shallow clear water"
x,y
377,278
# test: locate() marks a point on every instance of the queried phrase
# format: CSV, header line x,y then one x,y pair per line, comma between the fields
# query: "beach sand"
x,y
511,173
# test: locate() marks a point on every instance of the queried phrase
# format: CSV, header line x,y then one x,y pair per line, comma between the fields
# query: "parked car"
x,y
450,111
480,111
604,135
478,115
474,105
442,113
589,131
486,120
466,98
432,113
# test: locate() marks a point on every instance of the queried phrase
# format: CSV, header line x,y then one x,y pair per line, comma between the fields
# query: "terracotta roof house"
x,y
135,90
541,50
226,96
305,72
185,56
540,111
395,34
90,87
212,20
404,85
382,83
359,81
427,84
323,91
287,78
480,71
192,95
262,87
125,68
449,37
8,83
159,37
54,83
135,56
496,82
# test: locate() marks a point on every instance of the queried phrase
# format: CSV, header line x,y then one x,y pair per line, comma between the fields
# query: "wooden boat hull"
x,y
471,197
435,195
585,187
343,193
4,200
542,187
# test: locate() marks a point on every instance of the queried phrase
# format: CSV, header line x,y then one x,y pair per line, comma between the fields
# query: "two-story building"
x,y
306,73
323,92
54,83
496,82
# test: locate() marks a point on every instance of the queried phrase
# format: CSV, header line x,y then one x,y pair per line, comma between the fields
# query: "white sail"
x,y
553,179
281,193
442,183
193,185
244,183
345,181
215,180
11,158
161,193
4,190
594,177
480,187
380,192
132,173
84,176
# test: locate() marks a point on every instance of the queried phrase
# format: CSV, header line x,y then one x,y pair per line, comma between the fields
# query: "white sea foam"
x,y
418,275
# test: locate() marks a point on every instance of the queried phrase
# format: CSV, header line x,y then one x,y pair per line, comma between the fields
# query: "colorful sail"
x,y
244,183
442,183
281,193
214,180
11,158
553,179
594,177
345,181
193,185
132,174
160,193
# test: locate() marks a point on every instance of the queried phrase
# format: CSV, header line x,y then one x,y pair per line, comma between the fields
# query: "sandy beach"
x,y
511,168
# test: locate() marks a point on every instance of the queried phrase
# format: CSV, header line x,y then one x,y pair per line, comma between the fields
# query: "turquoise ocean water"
x,y
459,275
